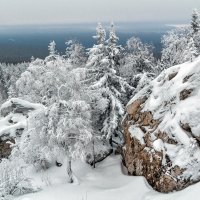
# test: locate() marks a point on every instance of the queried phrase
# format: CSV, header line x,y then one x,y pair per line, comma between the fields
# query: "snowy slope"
x,y
106,182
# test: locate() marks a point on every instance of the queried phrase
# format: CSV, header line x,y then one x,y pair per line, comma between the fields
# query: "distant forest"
x,y
19,45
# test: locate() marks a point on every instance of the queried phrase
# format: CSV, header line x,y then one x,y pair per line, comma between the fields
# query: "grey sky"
x,y
70,11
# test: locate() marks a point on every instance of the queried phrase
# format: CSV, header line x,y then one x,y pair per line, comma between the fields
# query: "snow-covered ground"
x,y
106,182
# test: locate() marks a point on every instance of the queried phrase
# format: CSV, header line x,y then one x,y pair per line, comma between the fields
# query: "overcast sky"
x,y
78,11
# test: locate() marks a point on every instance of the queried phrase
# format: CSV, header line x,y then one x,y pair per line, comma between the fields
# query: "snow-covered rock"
x,y
13,120
162,129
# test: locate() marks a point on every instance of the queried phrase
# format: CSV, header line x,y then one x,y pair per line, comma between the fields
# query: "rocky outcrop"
x,y
13,122
162,129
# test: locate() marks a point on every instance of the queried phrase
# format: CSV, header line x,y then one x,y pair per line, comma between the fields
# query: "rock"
x,y
5,149
142,159
16,107
187,78
186,127
169,127
133,108
184,94
171,76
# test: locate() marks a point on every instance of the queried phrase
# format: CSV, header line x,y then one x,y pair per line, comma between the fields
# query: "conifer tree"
x,y
104,80
195,29
195,23
52,48
100,34
114,50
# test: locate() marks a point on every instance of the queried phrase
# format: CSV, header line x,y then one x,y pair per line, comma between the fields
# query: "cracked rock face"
x,y
162,129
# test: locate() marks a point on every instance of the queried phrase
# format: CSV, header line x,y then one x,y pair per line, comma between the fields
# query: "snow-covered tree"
x,y
100,34
76,53
11,74
3,88
34,143
195,22
174,44
107,87
97,52
191,51
138,59
63,129
74,130
195,29
40,82
114,50
14,180
182,44
52,48
71,117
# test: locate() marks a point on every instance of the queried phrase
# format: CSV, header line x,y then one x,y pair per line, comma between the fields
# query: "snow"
x,y
137,133
189,193
106,182
158,145
9,129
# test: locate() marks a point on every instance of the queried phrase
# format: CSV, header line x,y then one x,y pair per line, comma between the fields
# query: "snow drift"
x,y
162,129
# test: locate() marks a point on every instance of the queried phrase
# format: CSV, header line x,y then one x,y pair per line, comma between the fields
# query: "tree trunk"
x,y
111,143
69,170
93,152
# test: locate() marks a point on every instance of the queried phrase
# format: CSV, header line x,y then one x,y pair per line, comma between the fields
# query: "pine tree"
x,y
195,23
195,29
52,48
100,34
105,82
114,50
97,53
